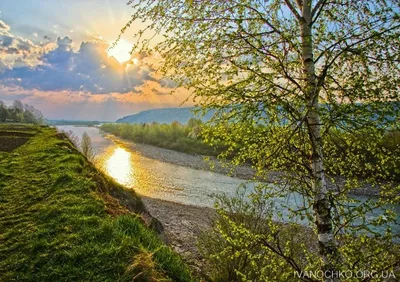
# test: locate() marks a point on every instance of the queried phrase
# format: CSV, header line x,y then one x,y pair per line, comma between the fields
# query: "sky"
x,y
56,56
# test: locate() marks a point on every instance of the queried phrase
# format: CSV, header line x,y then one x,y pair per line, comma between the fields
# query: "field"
x,y
62,220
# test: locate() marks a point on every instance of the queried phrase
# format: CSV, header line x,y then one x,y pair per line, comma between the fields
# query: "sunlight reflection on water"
x,y
133,171
119,166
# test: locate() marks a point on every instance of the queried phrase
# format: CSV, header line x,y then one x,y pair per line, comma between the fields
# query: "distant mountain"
x,y
166,115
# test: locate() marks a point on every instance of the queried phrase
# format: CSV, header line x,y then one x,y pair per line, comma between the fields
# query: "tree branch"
x,y
293,9
348,47
317,9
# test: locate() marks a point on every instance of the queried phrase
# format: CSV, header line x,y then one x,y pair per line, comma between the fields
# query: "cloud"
x,y
4,26
64,79
166,82
64,43
16,50
2,66
78,105
87,68
5,40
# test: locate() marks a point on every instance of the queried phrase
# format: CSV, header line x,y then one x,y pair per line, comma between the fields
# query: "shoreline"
x,y
212,164
198,162
182,225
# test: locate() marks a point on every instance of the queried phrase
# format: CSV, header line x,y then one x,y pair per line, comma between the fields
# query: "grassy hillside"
x,y
61,220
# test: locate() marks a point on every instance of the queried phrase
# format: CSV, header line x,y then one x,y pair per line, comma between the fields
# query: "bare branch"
x,y
317,9
348,47
293,9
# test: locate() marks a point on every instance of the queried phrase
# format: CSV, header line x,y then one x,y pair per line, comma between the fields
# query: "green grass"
x,y
56,223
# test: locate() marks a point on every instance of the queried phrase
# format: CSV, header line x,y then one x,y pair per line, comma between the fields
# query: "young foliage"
x,y
288,80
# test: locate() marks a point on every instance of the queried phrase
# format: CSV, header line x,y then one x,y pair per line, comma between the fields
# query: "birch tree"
x,y
306,88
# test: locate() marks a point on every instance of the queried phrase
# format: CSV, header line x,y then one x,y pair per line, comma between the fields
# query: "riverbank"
x,y
198,162
208,163
63,220
182,226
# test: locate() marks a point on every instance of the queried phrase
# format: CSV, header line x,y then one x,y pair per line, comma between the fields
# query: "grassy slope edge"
x,y
62,220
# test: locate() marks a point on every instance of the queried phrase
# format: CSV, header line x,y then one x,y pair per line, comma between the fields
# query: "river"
x,y
153,178
166,181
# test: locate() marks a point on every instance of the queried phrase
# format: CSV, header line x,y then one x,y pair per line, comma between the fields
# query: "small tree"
x,y
235,250
308,88
86,146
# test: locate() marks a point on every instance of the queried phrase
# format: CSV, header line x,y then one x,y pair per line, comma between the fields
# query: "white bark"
x,y
321,205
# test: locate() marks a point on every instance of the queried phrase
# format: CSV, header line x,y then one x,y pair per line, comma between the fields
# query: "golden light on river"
x,y
119,166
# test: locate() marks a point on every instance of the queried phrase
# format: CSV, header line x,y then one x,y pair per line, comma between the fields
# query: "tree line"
x,y
18,112
175,136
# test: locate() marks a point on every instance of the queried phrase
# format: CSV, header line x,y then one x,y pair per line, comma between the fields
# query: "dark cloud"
x,y
23,44
5,40
168,83
64,43
159,92
59,66
89,69
12,51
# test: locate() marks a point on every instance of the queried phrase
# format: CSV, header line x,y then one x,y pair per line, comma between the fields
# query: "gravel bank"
x,y
182,225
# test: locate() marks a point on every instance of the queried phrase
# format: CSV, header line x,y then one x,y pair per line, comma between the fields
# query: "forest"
x,y
18,112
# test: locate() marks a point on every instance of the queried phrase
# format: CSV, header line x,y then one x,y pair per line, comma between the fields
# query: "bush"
x,y
86,146
244,245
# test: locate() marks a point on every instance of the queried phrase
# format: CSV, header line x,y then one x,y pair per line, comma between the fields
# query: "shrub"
x,y
86,146
243,244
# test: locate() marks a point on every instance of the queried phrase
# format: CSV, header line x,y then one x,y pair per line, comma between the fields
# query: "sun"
x,y
121,51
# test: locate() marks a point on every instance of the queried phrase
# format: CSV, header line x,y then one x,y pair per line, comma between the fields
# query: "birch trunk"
x,y
321,205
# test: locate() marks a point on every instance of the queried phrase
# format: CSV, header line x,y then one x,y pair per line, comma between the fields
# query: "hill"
x,y
62,220
165,115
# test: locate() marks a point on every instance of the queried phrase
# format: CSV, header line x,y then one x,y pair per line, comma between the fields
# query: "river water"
x,y
165,181
153,178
